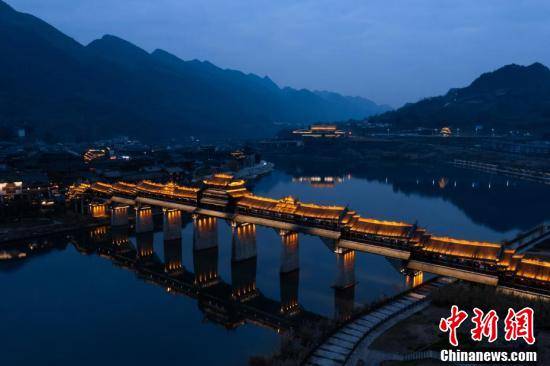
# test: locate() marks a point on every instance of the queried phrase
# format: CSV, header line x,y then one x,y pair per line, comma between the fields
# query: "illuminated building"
x,y
322,182
445,132
321,131
93,154
221,190
8,190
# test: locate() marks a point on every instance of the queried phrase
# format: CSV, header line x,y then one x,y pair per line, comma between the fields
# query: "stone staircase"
x,y
337,349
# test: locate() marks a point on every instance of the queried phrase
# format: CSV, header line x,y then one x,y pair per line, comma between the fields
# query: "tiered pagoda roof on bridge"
x,y
102,188
169,190
363,225
77,190
127,189
534,268
320,212
463,248
226,182
292,206
221,190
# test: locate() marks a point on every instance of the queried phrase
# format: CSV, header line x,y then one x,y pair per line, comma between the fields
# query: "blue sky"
x,y
389,51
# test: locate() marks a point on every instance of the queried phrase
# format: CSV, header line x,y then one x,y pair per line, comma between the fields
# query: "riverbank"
x,y
420,332
423,150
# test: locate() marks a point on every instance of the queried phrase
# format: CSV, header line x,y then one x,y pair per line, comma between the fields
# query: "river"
x,y
64,307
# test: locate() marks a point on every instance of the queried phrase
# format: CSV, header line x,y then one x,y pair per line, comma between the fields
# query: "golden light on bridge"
x,y
98,210
463,248
290,240
414,279
534,268
246,229
205,223
145,212
172,214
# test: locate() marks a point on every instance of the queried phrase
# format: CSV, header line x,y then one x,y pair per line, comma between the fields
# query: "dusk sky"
x,y
389,51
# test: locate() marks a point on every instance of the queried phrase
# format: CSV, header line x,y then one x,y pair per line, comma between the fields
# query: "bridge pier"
x,y
171,224
119,215
98,210
205,232
289,285
345,276
413,278
172,256
144,219
243,243
144,243
344,302
290,260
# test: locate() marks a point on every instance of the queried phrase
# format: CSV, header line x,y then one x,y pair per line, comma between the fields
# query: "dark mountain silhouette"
x,y
512,97
63,89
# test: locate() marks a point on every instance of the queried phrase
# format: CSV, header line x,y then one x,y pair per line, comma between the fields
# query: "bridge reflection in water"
x,y
229,304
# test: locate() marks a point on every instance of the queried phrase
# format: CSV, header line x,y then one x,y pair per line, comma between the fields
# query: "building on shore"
x,y
321,131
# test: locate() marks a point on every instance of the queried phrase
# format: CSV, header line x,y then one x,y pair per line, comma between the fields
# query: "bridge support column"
x,y
119,215
290,260
413,278
172,256
345,276
205,232
243,244
289,285
98,210
144,243
171,224
344,302
144,219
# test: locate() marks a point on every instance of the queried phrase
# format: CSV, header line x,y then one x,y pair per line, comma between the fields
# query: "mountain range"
x,y
511,98
63,90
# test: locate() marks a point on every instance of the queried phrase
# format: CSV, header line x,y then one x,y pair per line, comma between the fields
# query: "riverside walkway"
x,y
351,341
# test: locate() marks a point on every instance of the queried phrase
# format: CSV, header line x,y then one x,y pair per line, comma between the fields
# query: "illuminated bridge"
x,y
507,264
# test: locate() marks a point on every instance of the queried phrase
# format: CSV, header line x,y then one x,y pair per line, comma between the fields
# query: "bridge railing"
x,y
401,243
531,285
175,199
474,265
291,219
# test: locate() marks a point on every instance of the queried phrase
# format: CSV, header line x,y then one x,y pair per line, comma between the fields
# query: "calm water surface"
x,y
66,307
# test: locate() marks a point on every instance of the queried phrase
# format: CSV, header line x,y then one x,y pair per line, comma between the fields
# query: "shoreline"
x,y
12,234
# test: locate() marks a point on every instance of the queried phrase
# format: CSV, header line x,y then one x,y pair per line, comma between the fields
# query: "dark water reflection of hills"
x,y
500,203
